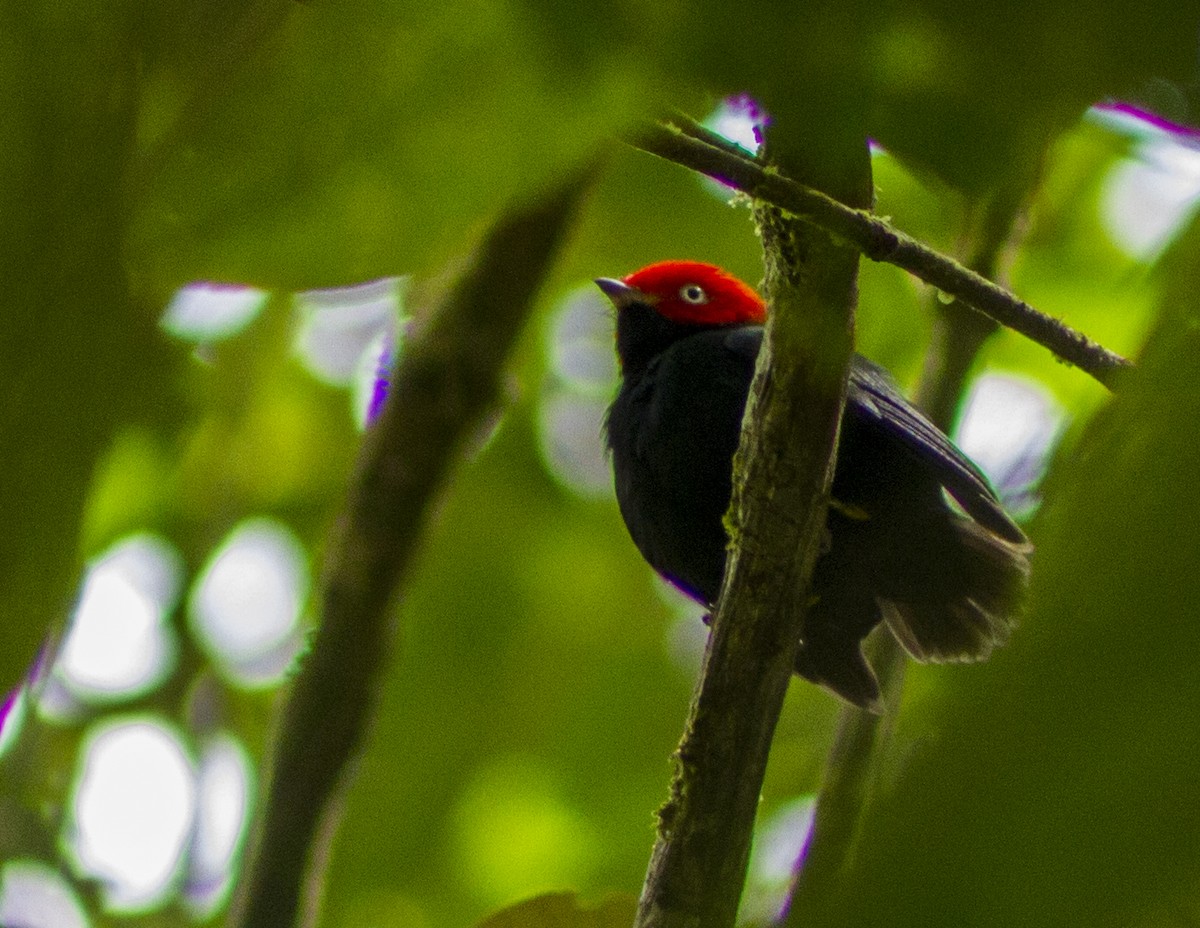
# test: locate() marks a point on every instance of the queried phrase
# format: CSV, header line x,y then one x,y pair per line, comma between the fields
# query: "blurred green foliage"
x,y
524,731
1056,783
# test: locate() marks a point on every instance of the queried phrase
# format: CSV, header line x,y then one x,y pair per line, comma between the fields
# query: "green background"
x,y
523,737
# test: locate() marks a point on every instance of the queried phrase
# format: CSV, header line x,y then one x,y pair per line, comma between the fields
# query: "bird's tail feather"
x,y
973,608
831,654
841,668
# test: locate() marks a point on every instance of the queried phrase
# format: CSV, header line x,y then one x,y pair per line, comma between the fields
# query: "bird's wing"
x,y
874,395
744,341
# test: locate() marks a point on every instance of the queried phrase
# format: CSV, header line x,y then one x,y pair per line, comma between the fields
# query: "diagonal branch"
x,y
691,147
447,382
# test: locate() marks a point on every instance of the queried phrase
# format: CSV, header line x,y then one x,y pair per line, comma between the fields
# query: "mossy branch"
x,y
447,382
777,516
687,144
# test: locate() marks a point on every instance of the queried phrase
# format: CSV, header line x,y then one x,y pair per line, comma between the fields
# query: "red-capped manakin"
x,y
946,583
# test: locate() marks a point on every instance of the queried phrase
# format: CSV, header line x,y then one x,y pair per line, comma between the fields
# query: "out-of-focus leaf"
x,y
563,910
970,91
75,356
369,139
366,138
1056,785
975,91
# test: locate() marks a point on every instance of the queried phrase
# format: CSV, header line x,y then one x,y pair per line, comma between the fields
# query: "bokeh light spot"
x,y
1149,197
778,842
132,810
208,312
686,635
246,605
1009,426
372,379
1151,194
339,325
581,342
35,895
223,789
517,835
119,644
572,446
740,119
574,401
13,708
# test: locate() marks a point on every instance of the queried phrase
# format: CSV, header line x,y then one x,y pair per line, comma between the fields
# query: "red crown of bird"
x,y
694,293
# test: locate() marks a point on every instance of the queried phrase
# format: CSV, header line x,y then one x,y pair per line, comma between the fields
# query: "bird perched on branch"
x,y
946,581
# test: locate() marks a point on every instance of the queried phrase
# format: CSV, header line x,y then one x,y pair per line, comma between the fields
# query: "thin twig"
x,y
697,130
447,381
878,241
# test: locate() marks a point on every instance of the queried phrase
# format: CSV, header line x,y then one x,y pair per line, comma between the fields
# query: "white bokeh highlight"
x,y
581,342
571,427
779,842
35,895
132,811
120,644
686,636
208,312
737,119
246,605
339,325
583,377
223,788
13,709
1149,197
348,336
1009,427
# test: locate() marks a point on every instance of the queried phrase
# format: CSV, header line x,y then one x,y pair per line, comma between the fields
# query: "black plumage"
x,y
946,580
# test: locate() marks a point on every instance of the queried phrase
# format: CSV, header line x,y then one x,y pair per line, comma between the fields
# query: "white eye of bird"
x,y
694,294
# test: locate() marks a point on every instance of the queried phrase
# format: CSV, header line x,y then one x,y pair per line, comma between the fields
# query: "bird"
x,y
946,578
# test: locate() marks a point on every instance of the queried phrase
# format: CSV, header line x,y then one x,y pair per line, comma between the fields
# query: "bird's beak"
x,y
620,293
